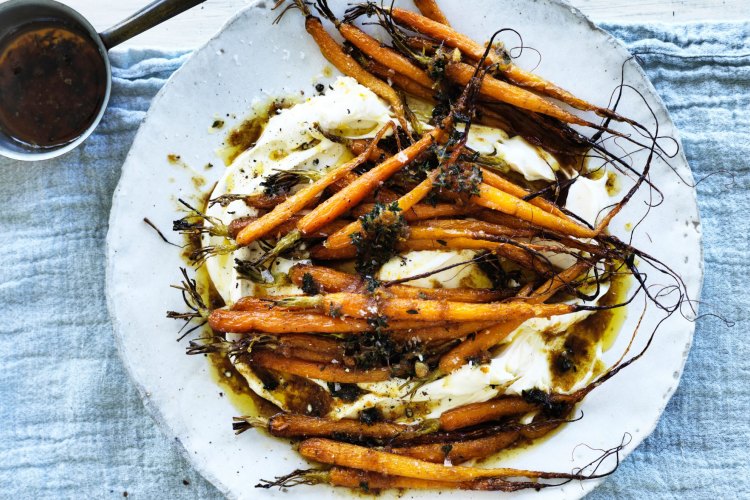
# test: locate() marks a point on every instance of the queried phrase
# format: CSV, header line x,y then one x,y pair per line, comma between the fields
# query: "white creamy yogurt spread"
x,y
533,162
588,198
290,140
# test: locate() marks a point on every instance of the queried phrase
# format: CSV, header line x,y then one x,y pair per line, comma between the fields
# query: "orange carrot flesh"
x,y
292,425
359,457
477,413
486,339
384,55
444,33
354,193
372,481
431,10
510,94
327,372
394,308
496,181
460,451
490,197
279,321
450,331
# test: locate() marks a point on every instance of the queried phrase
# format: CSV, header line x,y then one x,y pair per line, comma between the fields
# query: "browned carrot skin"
x,y
359,457
504,92
405,83
302,354
477,413
476,226
238,225
331,280
328,372
430,10
291,425
449,331
316,343
507,250
460,451
372,481
440,31
388,57
394,308
279,321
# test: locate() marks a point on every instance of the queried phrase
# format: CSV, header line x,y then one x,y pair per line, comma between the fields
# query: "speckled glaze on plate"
x,y
250,61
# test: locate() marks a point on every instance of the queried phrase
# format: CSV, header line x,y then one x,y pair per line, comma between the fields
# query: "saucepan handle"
x,y
154,13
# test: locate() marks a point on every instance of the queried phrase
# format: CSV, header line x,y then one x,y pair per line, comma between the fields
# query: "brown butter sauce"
x,y
53,82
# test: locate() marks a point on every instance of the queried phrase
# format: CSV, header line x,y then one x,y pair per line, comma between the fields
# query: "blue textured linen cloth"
x,y
72,424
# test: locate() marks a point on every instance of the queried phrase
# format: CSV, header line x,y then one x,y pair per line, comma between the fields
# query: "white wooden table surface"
x,y
194,27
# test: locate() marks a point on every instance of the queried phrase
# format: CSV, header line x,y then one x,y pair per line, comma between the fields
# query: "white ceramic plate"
x,y
249,61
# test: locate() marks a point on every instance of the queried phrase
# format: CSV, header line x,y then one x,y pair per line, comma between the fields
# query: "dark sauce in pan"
x,y
53,81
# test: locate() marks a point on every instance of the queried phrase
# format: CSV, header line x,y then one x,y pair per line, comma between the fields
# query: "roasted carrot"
x,y
501,91
456,452
422,211
239,224
430,9
469,348
339,203
515,253
301,353
299,200
477,227
443,33
511,188
279,321
328,372
393,308
359,457
388,57
330,280
403,82
317,343
501,201
372,481
449,331
477,413
292,425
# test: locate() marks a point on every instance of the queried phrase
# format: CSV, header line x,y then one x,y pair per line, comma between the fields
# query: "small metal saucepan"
x,y
55,77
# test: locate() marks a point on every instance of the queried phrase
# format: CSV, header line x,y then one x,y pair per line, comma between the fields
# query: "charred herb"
x,y
282,182
459,179
309,285
383,228
545,402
